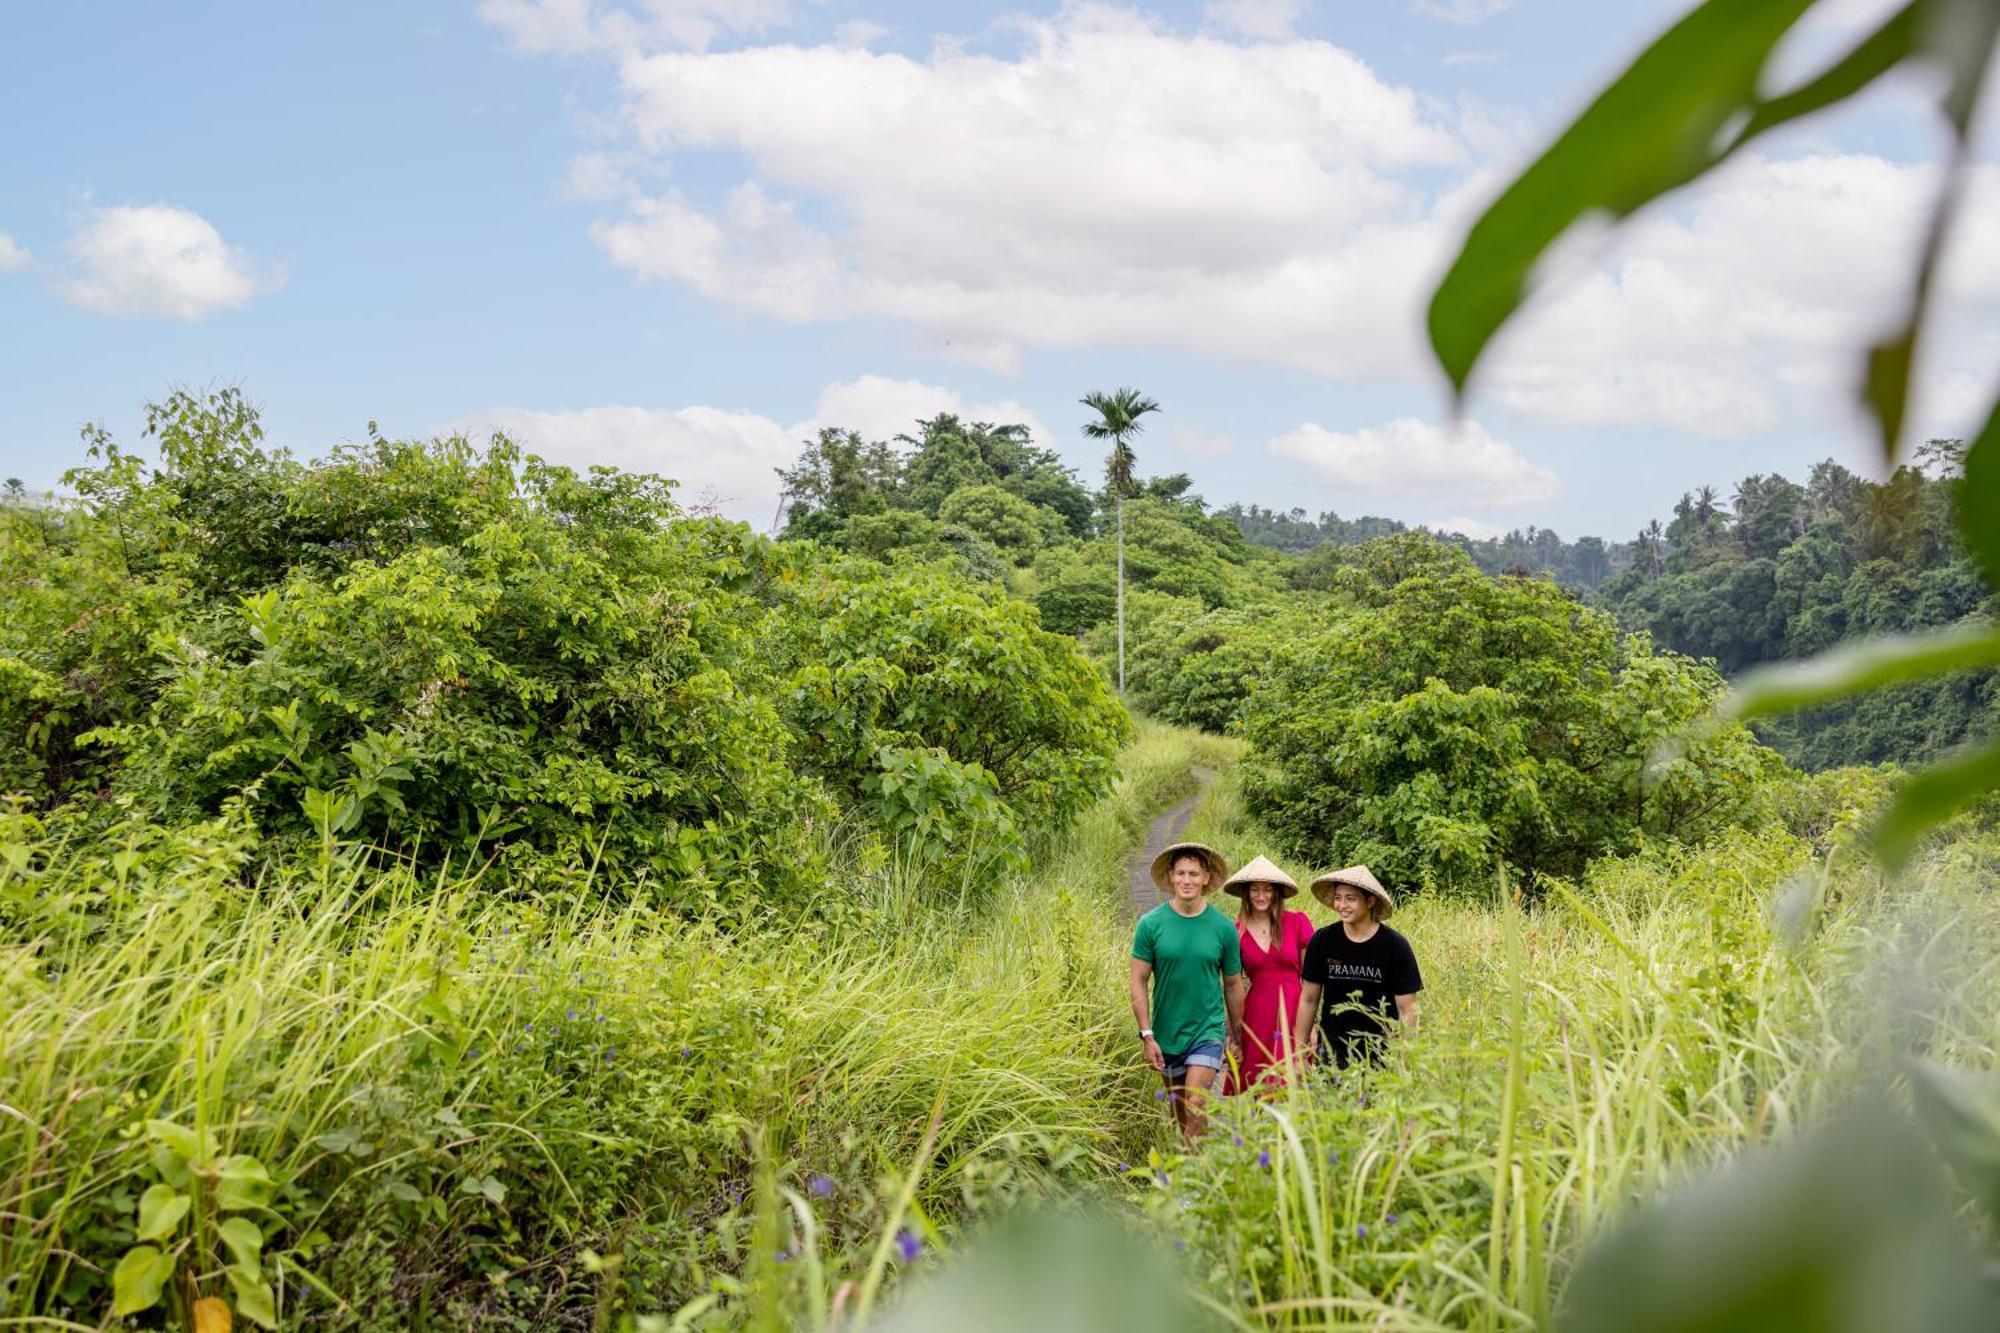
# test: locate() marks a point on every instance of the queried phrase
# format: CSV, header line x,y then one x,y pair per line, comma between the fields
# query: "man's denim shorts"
x,y
1207,1054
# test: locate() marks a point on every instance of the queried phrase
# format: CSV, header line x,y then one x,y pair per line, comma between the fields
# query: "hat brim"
x,y
1323,887
1163,864
1240,887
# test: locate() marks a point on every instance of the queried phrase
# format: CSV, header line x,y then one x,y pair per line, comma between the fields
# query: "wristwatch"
x,y
1145,1034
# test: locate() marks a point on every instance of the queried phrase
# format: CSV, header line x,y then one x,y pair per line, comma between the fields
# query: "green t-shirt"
x,y
1190,956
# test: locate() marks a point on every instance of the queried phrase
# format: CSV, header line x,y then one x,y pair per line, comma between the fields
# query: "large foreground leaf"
x,y
1858,668
1933,796
1848,1231
1979,499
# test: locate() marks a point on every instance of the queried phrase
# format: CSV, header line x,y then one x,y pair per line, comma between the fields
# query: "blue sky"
x,y
681,234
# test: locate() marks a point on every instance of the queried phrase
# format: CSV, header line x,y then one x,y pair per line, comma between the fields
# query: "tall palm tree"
x,y
1118,421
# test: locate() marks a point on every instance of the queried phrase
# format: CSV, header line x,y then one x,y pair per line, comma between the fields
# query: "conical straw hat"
x,y
1261,870
1218,869
1357,877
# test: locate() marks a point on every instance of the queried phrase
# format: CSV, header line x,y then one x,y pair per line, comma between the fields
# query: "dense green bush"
x,y
457,651
1195,667
1454,721
932,699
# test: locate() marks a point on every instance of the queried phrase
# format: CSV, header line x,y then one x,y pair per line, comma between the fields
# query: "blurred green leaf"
x,y
1933,796
243,1183
1960,34
1846,1231
1041,1273
1660,124
161,1208
255,1300
136,1282
1858,668
245,1244
1979,498
1961,1109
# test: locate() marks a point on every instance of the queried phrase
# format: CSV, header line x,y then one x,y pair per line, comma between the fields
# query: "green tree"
x,y
1451,718
1118,420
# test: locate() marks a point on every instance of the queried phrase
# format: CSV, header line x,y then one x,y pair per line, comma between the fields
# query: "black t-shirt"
x,y
1370,974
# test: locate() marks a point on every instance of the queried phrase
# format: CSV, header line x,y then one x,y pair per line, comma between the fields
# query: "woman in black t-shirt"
x,y
1358,979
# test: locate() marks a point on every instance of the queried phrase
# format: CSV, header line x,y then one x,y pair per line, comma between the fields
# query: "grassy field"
x,y
444,1107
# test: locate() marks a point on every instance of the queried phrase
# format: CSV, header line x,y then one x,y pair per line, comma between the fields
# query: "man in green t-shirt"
x,y
1188,953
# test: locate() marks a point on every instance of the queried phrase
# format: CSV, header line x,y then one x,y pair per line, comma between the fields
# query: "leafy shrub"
x,y
1453,720
892,665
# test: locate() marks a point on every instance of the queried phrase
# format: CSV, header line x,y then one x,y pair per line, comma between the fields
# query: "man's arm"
x,y
1406,1009
1308,1014
1142,1009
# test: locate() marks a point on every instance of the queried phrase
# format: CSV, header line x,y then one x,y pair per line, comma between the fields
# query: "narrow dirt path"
x,y
1164,830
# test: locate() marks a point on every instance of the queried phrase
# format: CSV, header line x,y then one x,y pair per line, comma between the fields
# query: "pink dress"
x,y
1273,1002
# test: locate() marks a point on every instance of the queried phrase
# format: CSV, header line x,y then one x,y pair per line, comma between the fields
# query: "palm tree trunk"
x,y
1121,594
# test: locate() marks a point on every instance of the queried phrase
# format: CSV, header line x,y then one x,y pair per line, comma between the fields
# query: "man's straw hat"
x,y
1261,871
1163,864
1357,877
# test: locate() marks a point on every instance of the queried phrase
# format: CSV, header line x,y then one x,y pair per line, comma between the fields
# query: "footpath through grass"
x,y
444,1106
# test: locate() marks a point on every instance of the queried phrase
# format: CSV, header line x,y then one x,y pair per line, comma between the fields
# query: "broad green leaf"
x,y
136,1282
1961,1109
1933,796
245,1244
1979,498
243,1183
254,1299
161,1209
1858,668
1846,1231
1658,126
180,1139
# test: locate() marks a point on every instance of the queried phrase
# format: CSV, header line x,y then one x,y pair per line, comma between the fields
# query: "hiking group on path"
x,y
1251,1000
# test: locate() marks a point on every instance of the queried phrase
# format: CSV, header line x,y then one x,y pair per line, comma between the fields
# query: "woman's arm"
x,y
1406,1009
1302,1022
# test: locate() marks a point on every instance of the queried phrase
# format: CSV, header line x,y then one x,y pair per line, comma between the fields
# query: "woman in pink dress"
x,y
1273,940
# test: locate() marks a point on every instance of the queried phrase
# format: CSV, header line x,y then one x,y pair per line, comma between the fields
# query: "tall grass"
x,y
1575,1056
489,1109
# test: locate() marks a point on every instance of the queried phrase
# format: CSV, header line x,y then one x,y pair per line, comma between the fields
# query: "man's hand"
x,y
1155,1057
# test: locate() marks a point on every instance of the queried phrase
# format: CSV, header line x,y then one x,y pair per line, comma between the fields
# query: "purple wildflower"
x,y
1179,1246
1391,1219
908,1247
1160,1096
1236,1139
1362,1231
1264,1158
783,1256
819,1186
569,1015
685,1052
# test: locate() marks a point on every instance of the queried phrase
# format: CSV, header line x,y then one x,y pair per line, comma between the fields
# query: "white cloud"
x,y
881,409
1114,183
13,256
574,27
1477,529
157,259
1460,11
726,461
1749,304
1458,463
1201,443
1262,20
861,33
1110,182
